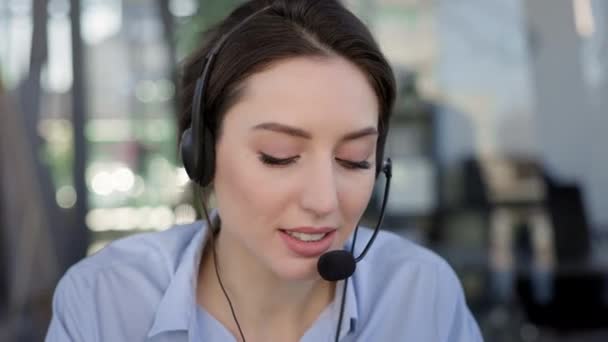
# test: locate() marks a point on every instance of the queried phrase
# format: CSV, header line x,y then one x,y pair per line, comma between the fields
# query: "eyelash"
x,y
278,162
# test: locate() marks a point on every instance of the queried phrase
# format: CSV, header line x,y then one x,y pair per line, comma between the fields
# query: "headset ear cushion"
x,y
186,147
207,167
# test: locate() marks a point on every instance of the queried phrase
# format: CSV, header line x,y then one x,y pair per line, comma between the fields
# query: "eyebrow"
x,y
300,133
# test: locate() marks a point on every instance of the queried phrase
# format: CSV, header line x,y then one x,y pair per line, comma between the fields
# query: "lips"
x,y
311,230
310,248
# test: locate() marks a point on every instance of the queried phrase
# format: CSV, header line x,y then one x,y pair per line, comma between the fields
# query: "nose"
x,y
320,191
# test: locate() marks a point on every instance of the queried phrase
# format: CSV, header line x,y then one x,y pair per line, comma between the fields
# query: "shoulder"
x,y
399,278
158,252
127,278
139,262
394,261
395,256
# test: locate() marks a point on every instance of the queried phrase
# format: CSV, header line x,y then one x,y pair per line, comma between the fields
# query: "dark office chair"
x,y
571,229
578,302
580,290
579,295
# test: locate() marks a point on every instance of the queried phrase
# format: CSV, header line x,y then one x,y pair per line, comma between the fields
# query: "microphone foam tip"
x,y
336,265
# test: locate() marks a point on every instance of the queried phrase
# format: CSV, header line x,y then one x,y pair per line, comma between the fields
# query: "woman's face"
x,y
295,163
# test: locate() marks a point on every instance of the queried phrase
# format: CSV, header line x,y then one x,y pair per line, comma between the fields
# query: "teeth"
x,y
306,237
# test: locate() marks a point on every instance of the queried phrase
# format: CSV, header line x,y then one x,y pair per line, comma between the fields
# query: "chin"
x,y
298,270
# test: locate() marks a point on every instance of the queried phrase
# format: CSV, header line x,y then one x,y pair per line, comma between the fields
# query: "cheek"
x,y
354,198
239,188
232,184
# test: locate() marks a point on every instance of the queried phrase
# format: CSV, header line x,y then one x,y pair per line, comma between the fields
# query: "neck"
x,y
267,307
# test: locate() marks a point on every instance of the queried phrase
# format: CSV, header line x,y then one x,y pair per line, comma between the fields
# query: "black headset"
x,y
197,149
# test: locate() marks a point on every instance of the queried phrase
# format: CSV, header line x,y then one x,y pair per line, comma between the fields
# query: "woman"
x,y
286,110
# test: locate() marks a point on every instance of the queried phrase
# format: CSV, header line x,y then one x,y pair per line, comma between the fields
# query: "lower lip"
x,y
308,249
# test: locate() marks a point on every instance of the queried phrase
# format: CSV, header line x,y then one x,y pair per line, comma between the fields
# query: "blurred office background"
x,y
498,140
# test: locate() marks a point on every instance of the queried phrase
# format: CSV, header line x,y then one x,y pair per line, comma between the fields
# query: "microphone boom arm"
x,y
387,168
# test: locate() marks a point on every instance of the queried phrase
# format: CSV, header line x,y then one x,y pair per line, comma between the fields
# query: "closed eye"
x,y
273,161
348,164
355,165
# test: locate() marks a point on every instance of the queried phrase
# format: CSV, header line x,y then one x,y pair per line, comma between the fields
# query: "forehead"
x,y
305,91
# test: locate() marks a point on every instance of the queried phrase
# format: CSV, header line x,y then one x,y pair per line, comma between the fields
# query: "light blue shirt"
x,y
142,288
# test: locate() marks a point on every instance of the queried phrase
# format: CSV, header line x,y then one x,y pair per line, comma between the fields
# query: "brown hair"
x,y
289,28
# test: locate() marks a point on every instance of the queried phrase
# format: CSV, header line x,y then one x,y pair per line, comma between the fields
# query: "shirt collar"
x,y
179,301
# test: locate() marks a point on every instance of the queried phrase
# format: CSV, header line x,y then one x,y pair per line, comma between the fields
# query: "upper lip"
x,y
311,230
